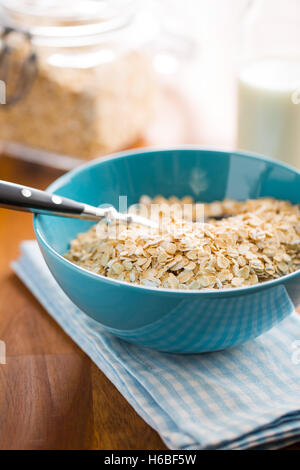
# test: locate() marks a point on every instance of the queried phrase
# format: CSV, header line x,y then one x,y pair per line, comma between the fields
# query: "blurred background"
x,y
84,78
99,76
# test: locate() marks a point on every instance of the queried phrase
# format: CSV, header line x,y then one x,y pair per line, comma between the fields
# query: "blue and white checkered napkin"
x,y
245,397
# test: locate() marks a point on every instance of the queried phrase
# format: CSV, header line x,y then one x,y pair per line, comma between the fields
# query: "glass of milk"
x,y
269,80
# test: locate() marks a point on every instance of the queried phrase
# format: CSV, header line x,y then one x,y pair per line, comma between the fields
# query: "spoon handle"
x,y
23,198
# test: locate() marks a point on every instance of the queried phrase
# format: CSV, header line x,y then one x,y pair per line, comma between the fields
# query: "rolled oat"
x,y
260,241
82,112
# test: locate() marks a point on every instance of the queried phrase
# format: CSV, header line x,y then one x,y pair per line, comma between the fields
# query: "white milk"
x,y
269,109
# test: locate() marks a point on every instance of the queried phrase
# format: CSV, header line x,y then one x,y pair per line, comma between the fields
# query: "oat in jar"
x,y
93,90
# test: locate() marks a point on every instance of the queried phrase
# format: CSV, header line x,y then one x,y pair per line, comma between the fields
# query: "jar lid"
x,y
68,23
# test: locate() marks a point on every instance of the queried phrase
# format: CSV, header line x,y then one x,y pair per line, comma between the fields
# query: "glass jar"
x,y
78,80
269,80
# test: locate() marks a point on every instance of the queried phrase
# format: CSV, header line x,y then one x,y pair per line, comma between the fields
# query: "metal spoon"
x,y
23,198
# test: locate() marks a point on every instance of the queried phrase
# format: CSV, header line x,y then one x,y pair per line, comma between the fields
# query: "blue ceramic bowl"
x,y
168,319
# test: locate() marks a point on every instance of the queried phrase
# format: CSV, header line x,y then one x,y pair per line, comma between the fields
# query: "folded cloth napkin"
x,y
245,397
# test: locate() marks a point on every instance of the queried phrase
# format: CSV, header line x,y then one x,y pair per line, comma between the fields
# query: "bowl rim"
x,y
224,292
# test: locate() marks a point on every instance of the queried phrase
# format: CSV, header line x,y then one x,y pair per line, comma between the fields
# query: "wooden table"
x,y
51,394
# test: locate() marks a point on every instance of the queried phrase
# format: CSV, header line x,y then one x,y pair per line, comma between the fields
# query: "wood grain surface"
x,y
51,394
